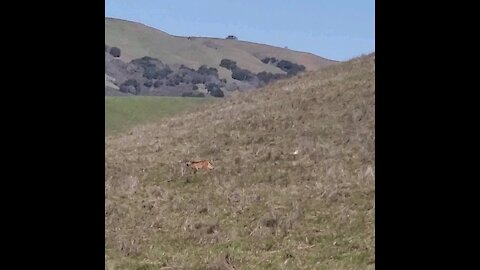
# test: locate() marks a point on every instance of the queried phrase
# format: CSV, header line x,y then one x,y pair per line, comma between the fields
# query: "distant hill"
x,y
136,41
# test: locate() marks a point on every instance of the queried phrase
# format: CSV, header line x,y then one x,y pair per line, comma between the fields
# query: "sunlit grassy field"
x,y
122,113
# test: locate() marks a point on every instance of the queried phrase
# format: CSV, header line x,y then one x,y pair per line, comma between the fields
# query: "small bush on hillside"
x,y
146,61
228,64
130,86
194,87
242,74
268,60
152,68
232,37
115,52
203,70
217,92
186,68
214,90
289,67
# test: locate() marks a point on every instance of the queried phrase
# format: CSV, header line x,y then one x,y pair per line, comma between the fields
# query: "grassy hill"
x,y
137,40
293,185
122,113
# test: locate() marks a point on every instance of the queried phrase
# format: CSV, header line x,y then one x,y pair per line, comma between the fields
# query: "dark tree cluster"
x,y
130,86
237,73
267,77
152,68
268,60
203,70
242,74
228,64
292,69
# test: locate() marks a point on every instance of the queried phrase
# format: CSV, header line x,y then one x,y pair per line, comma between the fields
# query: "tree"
x,y
130,86
291,68
228,64
217,92
115,52
214,90
242,74
203,70
268,60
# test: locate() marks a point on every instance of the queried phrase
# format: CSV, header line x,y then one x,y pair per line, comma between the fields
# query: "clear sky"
x,y
335,29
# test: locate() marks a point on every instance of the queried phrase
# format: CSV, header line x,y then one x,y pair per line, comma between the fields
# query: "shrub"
x,y
289,67
268,77
228,64
186,68
130,86
231,37
267,60
214,90
146,61
203,70
152,68
194,87
242,74
217,92
115,52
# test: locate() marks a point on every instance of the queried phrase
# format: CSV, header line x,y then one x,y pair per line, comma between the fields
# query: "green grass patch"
x,y
122,113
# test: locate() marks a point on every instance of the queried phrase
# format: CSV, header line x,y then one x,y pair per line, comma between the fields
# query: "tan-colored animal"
x,y
198,165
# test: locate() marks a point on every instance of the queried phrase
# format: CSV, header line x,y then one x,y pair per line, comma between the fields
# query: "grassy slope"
x,y
137,40
122,113
262,207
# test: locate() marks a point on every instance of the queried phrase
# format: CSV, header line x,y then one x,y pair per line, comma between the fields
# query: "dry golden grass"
x,y
293,185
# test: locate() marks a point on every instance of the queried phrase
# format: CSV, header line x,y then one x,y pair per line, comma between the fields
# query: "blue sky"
x,y
335,29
